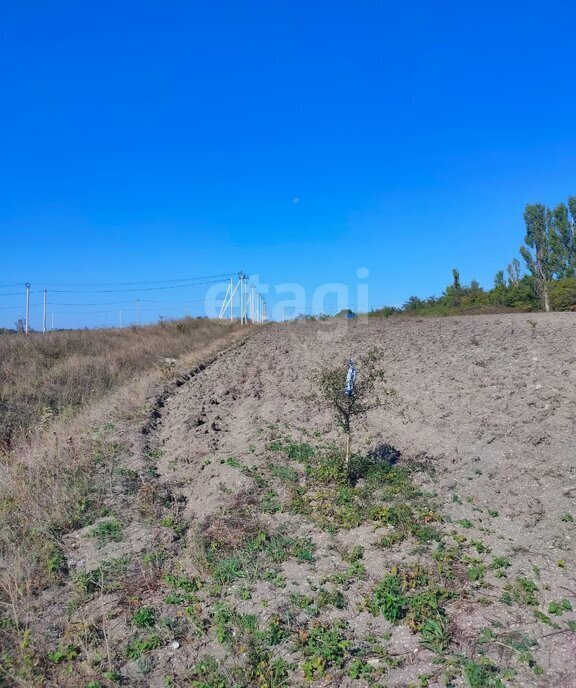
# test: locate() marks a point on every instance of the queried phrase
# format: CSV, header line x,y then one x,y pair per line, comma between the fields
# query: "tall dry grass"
x,y
59,393
43,376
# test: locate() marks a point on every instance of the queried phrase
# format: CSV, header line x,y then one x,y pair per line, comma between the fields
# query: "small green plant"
x,y
358,669
106,578
187,585
542,617
560,607
145,617
435,635
107,531
206,673
224,619
139,646
269,502
476,572
567,518
299,452
482,674
348,403
329,598
275,632
389,600
499,566
523,590
56,561
324,646
66,653
355,555
229,569
285,473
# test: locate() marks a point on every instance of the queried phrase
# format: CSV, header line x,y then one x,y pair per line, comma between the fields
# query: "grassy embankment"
x,y
58,393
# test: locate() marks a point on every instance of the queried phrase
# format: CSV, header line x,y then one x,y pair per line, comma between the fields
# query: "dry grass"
x,y
51,375
64,396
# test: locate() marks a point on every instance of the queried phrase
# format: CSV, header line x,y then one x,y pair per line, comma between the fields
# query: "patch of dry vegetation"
x,y
55,374
63,400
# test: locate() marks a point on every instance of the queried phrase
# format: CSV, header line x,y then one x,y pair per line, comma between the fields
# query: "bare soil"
x,y
489,400
483,422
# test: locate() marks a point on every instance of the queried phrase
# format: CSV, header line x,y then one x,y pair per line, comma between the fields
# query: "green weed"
x,y
137,647
145,617
482,674
324,646
435,635
107,531
560,607
523,591
66,653
206,673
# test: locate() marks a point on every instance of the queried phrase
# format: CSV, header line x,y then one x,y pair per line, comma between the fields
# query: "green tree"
x,y
453,293
563,294
499,291
523,295
513,270
456,276
563,238
329,389
414,303
538,250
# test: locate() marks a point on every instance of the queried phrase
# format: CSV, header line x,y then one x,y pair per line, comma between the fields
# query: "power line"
x,y
187,282
122,303
12,308
126,291
252,304
223,275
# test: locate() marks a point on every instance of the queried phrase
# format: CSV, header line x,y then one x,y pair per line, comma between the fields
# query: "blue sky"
x,y
298,141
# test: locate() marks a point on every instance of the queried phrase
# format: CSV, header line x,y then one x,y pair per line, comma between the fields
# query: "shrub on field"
x,y
329,389
563,294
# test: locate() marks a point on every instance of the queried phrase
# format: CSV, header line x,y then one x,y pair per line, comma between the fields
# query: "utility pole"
x,y
242,277
44,313
137,311
120,317
52,314
27,325
231,299
252,304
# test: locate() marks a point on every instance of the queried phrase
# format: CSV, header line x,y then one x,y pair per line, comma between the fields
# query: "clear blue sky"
x,y
297,140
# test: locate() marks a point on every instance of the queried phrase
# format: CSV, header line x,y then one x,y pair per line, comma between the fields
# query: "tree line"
x,y
547,281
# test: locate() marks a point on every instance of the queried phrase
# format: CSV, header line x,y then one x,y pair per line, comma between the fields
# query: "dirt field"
x,y
455,566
